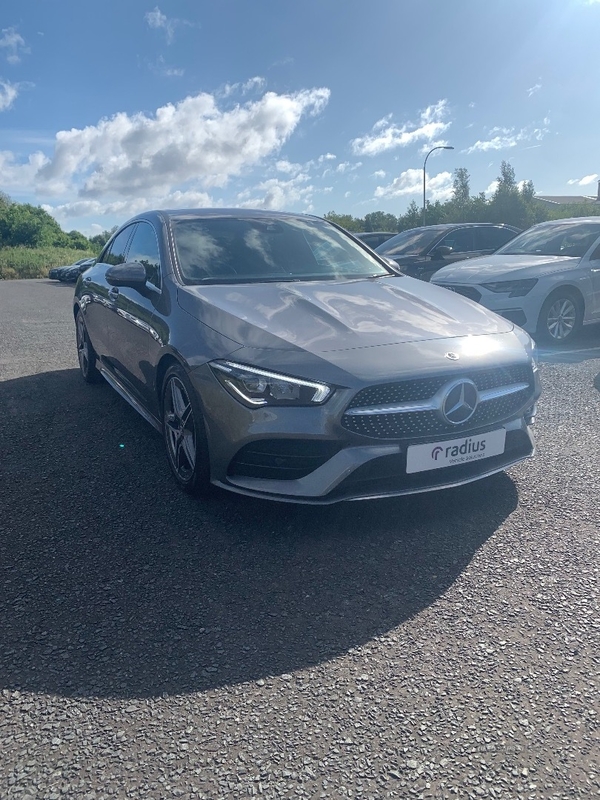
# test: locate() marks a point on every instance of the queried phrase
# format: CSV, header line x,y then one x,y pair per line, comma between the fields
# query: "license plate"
x,y
422,457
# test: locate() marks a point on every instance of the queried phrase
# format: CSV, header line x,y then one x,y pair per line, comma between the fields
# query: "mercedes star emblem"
x,y
459,401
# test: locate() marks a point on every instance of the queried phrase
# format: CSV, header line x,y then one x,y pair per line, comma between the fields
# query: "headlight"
x,y
512,288
529,345
257,387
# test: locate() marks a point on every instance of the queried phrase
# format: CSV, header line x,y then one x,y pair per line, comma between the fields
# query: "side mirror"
x,y
132,274
441,252
393,265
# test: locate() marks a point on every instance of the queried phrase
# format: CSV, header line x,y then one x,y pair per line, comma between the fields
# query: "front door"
x,y
134,335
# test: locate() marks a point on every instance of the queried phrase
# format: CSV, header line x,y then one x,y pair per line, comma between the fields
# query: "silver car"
x,y
547,279
281,358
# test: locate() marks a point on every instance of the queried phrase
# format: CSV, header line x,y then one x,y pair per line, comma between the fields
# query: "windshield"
x,y
242,250
557,239
409,243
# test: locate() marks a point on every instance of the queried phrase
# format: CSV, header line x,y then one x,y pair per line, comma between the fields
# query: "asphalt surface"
x,y
155,646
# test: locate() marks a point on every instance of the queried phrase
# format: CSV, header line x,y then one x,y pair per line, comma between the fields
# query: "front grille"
x,y
414,424
466,291
281,459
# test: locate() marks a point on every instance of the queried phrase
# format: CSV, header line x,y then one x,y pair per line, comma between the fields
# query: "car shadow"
x,y
585,347
117,584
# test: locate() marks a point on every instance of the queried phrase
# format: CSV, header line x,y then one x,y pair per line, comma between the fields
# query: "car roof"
x,y
568,220
205,213
446,226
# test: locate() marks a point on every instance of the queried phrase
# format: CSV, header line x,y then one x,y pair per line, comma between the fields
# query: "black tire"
x,y
561,317
184,433
85,352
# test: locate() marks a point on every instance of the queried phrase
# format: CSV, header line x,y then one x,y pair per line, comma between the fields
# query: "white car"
x,y
546,280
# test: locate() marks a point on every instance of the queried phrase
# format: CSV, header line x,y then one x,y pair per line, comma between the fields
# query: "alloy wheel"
x,y
561,319
180,431
83,347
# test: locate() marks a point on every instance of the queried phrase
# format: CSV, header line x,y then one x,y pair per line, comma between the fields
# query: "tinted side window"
x,y
118,249
144,248
461,241
596,254
492,238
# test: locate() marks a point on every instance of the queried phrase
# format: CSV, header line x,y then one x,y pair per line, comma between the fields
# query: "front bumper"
x,y
304,455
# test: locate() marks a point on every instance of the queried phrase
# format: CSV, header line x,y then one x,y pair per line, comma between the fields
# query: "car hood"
x,y
322,317
497,267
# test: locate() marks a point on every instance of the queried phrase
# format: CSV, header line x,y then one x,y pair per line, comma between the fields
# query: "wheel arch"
x,y
568,288
166,360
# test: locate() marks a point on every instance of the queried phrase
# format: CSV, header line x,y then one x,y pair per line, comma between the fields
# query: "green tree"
x,y
346,221
100,239
78,241
24,225
411,218
509,204
380,221
461,187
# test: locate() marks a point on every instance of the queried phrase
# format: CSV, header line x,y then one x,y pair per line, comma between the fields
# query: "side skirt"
x,y
126,395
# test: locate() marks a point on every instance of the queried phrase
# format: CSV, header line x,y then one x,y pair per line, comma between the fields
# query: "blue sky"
x,y
110,108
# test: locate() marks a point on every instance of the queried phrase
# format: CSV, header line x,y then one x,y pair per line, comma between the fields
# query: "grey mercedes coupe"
x,y
281,358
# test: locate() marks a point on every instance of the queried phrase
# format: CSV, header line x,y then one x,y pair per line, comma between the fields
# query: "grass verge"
x,y
34,262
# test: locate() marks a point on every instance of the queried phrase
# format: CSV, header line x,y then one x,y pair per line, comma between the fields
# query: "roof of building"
x,y
567,199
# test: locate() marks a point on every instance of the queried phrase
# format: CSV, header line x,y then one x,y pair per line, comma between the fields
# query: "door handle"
x,y
595,269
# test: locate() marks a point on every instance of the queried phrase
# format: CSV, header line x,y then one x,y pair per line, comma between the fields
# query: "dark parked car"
x,y
420,252
70,273
281,359
374,238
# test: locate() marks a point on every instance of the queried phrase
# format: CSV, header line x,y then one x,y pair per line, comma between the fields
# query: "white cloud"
x,y
491,188
347,194
586,180
326,157
288,167
8,94
275,194
252,84
424,149
163,69
192,141
506,138
439,187
127,208
385,135
534,89
379,174
14,45
347,166
157,20
20,176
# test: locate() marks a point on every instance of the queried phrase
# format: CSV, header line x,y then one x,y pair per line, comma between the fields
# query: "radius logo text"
x,y
466,448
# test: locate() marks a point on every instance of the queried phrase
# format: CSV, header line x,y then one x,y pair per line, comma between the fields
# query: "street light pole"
x,y
433,149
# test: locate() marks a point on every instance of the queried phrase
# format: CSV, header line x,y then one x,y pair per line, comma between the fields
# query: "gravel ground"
x,y
154,646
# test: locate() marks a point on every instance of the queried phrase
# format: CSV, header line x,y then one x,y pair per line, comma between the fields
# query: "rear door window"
x,y
492,238
461,240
